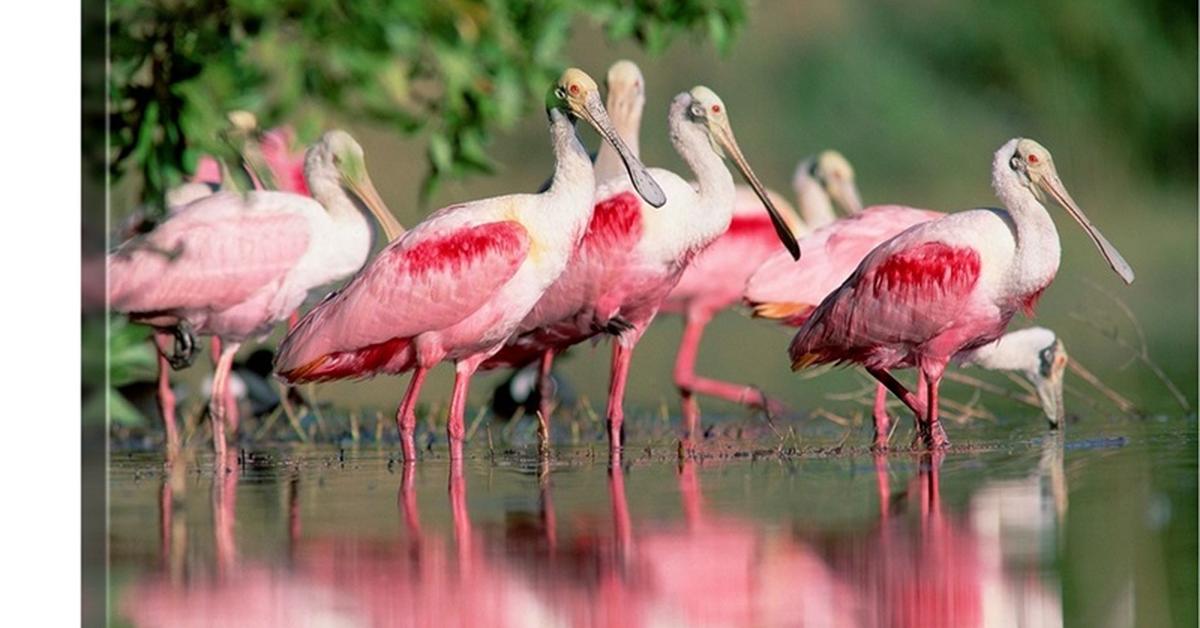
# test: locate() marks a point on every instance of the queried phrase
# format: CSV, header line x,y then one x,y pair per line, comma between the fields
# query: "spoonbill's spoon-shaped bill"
x,y
579,94
1034,162
707,106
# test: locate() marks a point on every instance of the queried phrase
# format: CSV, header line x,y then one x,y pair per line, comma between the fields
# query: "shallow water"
x,y
1096,526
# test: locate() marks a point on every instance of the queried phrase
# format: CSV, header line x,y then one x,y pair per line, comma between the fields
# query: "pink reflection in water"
x,y
916,565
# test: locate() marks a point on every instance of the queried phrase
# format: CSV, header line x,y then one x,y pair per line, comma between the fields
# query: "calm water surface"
x,y
1096,527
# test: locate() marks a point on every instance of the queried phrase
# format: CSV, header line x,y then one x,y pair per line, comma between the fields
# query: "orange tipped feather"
x,y
781,309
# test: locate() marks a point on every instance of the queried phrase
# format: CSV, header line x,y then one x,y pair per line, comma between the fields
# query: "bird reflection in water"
x,y
916,562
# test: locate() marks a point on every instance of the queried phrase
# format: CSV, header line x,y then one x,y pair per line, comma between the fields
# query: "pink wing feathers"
x,y
892,303
717,275
783,288
425,281
212,255
612,234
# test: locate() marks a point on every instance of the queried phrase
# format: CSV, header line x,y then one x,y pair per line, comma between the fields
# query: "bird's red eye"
x,y
574,88
716,108
1032,159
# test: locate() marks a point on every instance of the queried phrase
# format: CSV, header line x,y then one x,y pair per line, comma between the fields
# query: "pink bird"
x,y
233,265
788,291
632,255
457,285
948,286
274,157
717,276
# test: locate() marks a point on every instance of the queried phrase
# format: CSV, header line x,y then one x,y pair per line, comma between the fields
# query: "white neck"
x,y
325,186
1037,246
816,209
573,173
564,209
1014,351
695,146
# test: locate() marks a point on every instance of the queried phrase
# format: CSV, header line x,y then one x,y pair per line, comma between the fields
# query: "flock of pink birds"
x,y
514,280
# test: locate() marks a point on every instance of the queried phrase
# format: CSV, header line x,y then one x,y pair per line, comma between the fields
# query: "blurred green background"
x,y
917,95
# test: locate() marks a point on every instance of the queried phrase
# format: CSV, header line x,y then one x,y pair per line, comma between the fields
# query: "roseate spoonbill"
x,y
789,291
268,158
717,276
631,257
949,285
457,285
232,265
529,387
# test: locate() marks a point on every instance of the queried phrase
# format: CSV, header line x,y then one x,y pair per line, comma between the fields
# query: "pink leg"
x,y
690,384
899,390
931,429
216,405
231,408
621,357
166,405
882,420
406,415
456,427
232,412
544,401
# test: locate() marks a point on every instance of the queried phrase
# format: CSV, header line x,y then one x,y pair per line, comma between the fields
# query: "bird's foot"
x,y
931,439
754,397
686,449
184,350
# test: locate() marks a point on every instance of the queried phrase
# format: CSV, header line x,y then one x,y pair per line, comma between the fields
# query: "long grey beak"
x,y
645,185
1055,188
724,136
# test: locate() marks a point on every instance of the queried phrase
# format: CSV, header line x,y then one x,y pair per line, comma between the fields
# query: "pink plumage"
x,y
947,286
893,304
457,286
428,282
285,162
209,258
713,281
716,277
232,265
782,288
592,289
633,255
